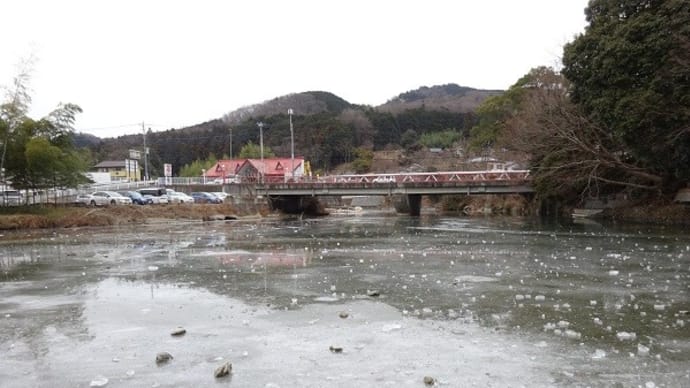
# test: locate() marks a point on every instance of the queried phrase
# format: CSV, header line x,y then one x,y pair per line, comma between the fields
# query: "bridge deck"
x,y
457,182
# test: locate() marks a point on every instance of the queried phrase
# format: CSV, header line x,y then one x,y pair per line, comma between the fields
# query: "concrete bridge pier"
x,y
414,201
297,204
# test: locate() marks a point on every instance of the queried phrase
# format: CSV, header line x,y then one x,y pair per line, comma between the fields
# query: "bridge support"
x,y
297,204
414,201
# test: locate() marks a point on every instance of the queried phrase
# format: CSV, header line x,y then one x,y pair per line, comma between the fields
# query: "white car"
x,y
178,197
105,198
156,199
85,200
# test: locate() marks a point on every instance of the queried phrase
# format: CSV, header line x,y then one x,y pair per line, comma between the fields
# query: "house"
x,y
120,170
272,169
224,169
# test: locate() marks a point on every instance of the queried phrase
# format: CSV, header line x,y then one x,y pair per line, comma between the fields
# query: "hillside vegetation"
x,y
327,129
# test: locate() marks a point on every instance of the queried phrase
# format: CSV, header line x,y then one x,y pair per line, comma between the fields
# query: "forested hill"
x,y
327,128
450,97
307,103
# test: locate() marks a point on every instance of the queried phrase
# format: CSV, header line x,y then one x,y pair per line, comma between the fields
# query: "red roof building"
x,y
272,169
226,168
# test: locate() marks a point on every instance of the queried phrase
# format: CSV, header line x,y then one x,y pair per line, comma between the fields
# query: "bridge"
x,y
289,196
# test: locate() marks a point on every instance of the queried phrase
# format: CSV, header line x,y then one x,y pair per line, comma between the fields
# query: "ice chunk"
x,y
153,268
659,307
572,334
642,350
326,299
598,354
539,298
614,272
519,297
387,328
99,381
563,324
625,336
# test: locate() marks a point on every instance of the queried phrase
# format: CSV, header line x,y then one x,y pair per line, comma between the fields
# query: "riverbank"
x,y
653,213
72,216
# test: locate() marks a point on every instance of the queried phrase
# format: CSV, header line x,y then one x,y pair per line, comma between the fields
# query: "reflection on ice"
x,y
469,302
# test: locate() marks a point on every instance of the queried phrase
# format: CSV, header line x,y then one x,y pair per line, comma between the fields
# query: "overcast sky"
x,y
176,63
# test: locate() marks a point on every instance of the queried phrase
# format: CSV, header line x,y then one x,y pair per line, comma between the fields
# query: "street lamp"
x,y
292,147
261,146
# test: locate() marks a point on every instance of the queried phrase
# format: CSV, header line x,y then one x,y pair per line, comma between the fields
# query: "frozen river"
x,y
465,302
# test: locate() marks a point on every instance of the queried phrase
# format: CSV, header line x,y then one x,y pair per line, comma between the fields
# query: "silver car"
x,y
178,197
105,198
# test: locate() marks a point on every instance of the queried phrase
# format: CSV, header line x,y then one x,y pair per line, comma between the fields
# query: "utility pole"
x,y
146,154
230,142
261,146
292,147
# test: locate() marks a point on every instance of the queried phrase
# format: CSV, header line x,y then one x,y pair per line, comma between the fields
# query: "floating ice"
x,y
387,328
572,334
659,307
474,279
153,268
540,298
563,324
519,297
642,350
597,321
326,299
598,354
625,336
99,381
614,272
592,302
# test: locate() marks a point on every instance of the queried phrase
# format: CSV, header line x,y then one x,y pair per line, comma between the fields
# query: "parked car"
x,y
12,197
105,198
205,197
220,195
85,200
178,197
156,200
156,194
137,198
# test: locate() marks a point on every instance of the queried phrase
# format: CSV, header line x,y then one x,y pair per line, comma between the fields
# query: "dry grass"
x,y
70,217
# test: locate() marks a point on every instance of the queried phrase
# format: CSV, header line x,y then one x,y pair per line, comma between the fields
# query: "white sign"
x,y
167,169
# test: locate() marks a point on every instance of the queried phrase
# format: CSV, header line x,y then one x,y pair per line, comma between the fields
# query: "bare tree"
x,y
569,153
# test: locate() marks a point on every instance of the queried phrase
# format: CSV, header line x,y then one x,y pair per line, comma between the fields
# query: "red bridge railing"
x,y
411,177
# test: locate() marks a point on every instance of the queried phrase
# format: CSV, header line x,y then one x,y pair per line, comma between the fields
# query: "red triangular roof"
x,y
224,167
273,166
